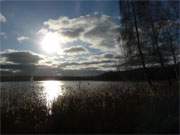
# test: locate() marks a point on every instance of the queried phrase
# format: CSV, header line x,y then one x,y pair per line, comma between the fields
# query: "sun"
x,y
50,43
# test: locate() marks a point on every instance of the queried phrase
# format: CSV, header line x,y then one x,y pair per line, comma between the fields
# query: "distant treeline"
x,y
156,73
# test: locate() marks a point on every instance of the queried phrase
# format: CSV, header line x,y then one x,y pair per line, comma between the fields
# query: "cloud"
x,y
82,72
19,67
98,31
24,63
72,33
108,55
105,56
77,49
21,57
95,64
96,13
28,63
22,39
2,18
3,35
21,62
27,57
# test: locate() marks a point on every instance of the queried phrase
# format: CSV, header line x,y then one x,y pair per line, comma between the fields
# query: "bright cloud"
x,y
99,31
2,18
94,32
22,39
92,38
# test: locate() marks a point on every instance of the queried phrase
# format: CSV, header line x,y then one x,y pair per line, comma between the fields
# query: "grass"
x,y
129,108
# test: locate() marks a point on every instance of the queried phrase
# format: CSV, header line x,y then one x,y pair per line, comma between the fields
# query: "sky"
x,y
59,37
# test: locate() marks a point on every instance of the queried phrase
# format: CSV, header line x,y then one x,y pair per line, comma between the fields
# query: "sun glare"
x,y
50,43
52,90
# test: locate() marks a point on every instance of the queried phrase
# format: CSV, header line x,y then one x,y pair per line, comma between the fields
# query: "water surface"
x,y
15,94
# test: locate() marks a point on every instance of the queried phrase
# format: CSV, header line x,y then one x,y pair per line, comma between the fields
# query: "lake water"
x,y
87,106
15,94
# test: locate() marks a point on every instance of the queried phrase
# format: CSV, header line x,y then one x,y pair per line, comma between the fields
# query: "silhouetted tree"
x,y
149,33
130,34
162,22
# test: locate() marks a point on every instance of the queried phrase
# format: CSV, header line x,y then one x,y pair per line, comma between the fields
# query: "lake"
x,y
86,106
47,92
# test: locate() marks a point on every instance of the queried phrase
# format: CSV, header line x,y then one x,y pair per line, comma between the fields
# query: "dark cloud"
x,y
82,72
29,69
22,61
24,69
101,29
21,57
75,50
29,63
97,62
109,55
18,66
86,63
73,32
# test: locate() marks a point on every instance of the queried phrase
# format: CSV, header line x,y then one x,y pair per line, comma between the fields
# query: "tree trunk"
x,y
173,54
155,41
139,46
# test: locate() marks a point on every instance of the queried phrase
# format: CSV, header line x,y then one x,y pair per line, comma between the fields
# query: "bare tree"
x,y
149,35
131,36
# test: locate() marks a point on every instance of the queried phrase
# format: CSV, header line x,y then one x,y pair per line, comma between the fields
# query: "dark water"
x,y
13,94
88,107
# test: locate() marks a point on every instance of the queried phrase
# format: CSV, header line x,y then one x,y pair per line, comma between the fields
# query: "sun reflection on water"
x,y
51,89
